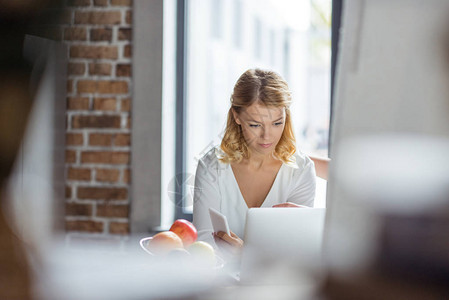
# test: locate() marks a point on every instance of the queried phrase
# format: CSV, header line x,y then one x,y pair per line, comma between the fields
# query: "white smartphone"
x,y
219,221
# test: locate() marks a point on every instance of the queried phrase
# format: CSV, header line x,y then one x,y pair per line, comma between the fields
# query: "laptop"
x,y
280,239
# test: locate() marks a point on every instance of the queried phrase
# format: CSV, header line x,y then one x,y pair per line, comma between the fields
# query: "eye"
x,y
254,125
278,123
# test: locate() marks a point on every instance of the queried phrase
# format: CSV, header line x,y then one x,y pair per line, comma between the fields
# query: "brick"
x,y
70,156
118,228
102,87
105,104
78,103
101,2
98,17
124,34
79,2
78,174
69,86
78,209
121,2
68,192
93,52
100,69
104,157
127,176
128,123
126,104
102,193
76,68
74,139
100,139
127,51
84,225
128,17
96,121
112,211
107,175
123,70
75,34
101,34
122,140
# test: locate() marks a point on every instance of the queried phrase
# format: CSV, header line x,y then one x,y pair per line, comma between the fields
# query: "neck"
x,y
257,161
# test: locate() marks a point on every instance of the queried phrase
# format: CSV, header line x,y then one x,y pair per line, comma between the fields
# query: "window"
x,y
216,18
225,38
237,23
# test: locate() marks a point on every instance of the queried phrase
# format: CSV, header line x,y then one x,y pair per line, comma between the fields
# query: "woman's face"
x,y
262,126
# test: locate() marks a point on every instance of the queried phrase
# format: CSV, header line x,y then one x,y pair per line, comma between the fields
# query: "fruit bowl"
x,y
144,244
219,262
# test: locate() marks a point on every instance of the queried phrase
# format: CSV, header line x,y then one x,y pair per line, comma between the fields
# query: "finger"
x,y
237,238
220,234
282,205
288,204
230,240
225,237
237,242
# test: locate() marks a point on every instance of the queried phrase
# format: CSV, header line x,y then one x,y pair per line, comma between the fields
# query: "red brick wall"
x,y
98,36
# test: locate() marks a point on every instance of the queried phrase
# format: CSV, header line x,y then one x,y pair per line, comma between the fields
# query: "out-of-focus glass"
x,y
225,38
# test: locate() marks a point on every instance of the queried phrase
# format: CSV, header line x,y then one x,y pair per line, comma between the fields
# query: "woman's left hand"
x,y
289,204
232,239
232,242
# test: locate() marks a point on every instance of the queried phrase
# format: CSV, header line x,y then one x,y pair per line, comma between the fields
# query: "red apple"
x,y
164,242
185,230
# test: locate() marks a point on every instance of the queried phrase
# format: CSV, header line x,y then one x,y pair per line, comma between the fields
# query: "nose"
x,y
265,134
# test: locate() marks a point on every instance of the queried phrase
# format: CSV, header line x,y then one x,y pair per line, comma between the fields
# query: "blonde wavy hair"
x,y
270,89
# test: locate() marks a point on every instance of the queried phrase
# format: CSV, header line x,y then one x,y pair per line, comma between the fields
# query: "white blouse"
x,y
216,187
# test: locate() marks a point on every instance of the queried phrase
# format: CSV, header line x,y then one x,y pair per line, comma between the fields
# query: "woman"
x,y
257,163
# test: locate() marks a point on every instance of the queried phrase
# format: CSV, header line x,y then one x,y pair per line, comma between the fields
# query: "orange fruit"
x,y
164,242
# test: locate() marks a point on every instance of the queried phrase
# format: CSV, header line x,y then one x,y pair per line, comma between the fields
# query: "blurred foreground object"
x,y
391,236
388,196
16,96
15,104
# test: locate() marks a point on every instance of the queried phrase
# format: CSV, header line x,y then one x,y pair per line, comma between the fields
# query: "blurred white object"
x,y
36,185
396,173
390,117
378,176
93,273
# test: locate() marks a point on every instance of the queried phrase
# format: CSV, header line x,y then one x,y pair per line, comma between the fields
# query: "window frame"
x,y
182,21
145,207
180,135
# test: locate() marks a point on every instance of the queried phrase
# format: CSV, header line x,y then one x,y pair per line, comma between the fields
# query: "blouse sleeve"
x,y
304,184
206,195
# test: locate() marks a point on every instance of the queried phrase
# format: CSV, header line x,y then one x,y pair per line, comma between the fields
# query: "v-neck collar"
x,y
240,192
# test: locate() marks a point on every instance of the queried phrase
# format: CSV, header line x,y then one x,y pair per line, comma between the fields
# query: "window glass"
x,y
225,38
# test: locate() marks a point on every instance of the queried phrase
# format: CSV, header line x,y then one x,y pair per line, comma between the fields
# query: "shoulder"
x,y
300,162
210,159
209,168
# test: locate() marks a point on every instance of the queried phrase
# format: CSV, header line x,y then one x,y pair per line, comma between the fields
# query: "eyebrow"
x,y
281,118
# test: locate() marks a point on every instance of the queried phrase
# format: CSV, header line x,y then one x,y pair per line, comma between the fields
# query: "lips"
x,y
265,145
